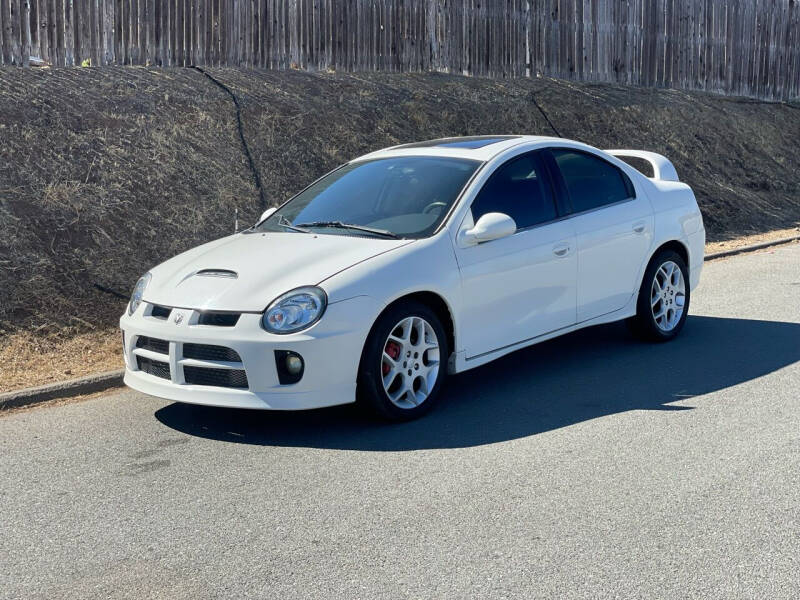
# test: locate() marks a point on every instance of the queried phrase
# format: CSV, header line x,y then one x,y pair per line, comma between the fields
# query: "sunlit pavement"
x,y
589,466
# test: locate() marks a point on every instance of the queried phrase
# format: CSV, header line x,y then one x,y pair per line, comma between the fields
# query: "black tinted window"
x,y
518,190
591,181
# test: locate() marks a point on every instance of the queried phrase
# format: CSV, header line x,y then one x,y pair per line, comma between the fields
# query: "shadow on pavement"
x,y
581,376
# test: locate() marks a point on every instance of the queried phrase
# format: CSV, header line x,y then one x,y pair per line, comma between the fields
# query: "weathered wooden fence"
x,y
741,47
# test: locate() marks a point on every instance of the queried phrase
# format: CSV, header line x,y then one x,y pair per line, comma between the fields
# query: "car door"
x,y
521,286
613,226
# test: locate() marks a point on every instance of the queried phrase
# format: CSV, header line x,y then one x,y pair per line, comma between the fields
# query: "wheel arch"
x,y
675,245
438,305
432,300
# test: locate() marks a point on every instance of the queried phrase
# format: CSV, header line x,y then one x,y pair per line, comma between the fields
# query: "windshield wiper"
x,y
284,222
340,225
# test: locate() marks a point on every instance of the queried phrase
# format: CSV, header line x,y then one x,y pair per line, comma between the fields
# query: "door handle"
x,y
561,250
639,227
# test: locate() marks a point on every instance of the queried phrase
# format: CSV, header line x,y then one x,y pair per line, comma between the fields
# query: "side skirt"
x,y
463,363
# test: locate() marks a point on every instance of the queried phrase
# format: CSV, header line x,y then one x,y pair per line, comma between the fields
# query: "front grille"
x,y
206,352
230,378
153,367
218,319
160,312
152,344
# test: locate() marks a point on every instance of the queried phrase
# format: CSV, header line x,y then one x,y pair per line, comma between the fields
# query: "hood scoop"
x,y
217,273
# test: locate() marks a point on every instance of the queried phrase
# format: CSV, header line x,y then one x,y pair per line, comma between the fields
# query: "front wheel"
x,y
404,362
663,302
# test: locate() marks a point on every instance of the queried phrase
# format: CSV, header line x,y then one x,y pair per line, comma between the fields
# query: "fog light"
x,y
290,366
294,364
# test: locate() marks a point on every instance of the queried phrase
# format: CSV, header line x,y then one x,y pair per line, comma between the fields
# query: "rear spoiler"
x,y
662,168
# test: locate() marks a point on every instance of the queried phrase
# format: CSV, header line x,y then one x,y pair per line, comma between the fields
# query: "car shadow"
x,y
585,375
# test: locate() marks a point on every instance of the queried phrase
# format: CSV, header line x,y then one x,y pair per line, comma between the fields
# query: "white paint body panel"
x,y
613,244
331,350
497,285
501,295
266,264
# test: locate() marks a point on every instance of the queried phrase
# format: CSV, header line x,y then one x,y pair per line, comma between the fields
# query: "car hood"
x,y
245,272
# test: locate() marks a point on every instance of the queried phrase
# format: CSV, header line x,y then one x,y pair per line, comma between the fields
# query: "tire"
x,y
660,316
395,348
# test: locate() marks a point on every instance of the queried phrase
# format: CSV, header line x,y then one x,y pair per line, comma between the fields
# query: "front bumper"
x,y
331,350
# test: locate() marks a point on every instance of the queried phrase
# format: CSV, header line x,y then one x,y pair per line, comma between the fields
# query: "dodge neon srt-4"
x,y
408,264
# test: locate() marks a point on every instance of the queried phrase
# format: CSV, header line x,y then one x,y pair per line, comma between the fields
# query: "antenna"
x,y
236,221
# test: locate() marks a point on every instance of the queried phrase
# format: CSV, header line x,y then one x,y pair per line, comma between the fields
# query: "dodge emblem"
x,y
178,318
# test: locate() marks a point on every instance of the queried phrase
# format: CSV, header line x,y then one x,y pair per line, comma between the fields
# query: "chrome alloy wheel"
x,y
668,296
410,362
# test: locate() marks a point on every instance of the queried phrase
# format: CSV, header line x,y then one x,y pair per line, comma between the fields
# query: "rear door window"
x,y
591,182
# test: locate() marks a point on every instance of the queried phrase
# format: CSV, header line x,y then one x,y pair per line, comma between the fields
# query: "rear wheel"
x,y
404,362
663,302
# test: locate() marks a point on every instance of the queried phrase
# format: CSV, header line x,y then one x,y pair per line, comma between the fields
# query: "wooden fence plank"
x,y
122,31
85,32
49,29
25,28
48,32
5,51
94,33
8,54
149,32
169,33
133,32
206,57
69,31
38,23
188,31
177,27
78,10
118,52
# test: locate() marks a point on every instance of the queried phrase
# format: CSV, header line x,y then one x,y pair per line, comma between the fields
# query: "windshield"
x,y
389,197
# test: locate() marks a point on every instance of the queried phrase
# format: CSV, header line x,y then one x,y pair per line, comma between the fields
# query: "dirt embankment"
x,y
106,172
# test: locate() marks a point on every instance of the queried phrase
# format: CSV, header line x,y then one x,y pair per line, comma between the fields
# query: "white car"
x,y
410,263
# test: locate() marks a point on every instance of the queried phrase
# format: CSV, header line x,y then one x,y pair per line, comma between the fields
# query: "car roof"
x,y
477,147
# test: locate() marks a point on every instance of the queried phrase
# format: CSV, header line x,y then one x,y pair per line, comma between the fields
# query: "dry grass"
x,y
756,238
106,172
29,359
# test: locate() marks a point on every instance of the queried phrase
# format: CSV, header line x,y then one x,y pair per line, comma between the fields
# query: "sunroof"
x,y
472,142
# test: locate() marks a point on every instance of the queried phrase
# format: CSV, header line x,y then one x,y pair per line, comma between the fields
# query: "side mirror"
x,y
491,226
267,213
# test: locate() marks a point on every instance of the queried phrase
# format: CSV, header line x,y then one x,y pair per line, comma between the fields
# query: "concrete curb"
x,y
110,379
751,247
63,389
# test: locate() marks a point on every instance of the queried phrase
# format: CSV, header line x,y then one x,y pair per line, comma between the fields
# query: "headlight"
x,y
295,310
138,292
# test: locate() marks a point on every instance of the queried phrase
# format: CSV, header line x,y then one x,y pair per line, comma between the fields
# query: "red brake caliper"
x,y
393,350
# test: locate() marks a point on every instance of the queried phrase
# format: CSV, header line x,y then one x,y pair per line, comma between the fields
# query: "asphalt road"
x,y
590,466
